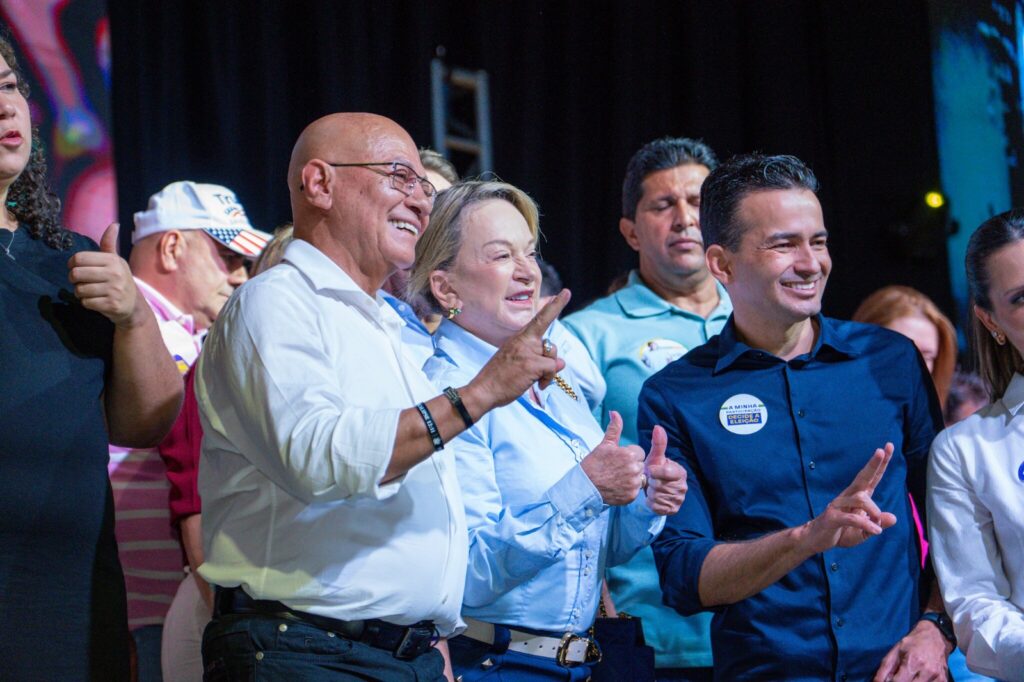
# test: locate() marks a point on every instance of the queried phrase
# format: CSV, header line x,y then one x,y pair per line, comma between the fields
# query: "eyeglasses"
x,y
401,176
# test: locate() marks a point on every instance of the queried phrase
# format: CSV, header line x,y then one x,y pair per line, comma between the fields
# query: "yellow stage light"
x,y
935,199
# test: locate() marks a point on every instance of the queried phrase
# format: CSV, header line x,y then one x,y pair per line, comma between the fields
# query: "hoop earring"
x,y
452,312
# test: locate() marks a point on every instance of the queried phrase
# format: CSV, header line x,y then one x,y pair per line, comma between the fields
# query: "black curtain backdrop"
x,y
218,91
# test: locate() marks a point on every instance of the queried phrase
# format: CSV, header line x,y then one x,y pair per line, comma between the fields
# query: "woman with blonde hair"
x,y
976,469
911,313
550,500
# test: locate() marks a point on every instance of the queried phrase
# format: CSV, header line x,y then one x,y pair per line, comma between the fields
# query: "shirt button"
x,y
586,571
840,622
800,413
834,567
810,465
588,554
282,628
590,512
330,634
259,655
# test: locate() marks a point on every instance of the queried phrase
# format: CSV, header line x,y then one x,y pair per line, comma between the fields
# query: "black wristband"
x,y
456,400
435,437
943,623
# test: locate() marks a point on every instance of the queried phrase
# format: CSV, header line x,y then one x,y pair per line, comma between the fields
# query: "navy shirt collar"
x,y
831,343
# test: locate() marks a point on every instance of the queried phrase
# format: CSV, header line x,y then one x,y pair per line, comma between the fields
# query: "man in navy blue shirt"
x,y
796,535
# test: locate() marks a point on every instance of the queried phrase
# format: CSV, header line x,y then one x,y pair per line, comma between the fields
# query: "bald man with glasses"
x,y
333,523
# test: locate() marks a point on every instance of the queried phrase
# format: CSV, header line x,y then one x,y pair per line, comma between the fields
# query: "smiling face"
x,y
384,221
1005,270
495,278
15,127
355,215
666,230
777,276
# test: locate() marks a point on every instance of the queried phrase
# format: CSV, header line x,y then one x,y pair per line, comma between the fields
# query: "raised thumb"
x,y
108,242
659,441
614,430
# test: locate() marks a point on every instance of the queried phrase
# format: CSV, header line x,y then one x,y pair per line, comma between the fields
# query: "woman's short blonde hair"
x,y
893,302
437,249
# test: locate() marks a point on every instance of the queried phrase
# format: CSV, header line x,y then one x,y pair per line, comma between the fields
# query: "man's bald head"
x,y
362,221
351,137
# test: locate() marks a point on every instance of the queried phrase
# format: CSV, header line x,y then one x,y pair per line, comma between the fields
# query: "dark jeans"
x,y
147,652
250,648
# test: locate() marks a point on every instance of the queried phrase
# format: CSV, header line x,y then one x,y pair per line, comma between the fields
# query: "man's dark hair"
x,y
665,152
744,174
433,161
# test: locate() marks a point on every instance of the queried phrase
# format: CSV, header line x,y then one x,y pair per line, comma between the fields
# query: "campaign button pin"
x,y
743,414
657,353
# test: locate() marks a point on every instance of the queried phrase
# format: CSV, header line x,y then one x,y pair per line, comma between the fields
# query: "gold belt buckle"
x,y
592,654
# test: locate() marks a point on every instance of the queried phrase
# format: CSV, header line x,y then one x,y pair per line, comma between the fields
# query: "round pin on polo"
x,y
743,414
656,354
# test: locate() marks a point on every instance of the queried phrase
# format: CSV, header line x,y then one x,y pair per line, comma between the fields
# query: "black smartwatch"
x,y
943,623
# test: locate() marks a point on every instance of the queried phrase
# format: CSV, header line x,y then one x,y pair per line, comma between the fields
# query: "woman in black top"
x,y
81,363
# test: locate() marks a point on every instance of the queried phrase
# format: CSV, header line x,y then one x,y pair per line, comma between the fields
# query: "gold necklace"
x,y
564,385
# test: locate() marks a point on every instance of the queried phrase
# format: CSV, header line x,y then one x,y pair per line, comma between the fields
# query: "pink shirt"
x,y
147,545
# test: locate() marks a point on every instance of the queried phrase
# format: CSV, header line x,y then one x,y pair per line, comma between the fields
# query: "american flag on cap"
x,y
239,239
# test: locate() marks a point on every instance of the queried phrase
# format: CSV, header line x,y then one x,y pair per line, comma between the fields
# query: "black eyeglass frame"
x,y
427,186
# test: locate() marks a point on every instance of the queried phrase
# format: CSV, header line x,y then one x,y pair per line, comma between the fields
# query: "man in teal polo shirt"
x,y
669,305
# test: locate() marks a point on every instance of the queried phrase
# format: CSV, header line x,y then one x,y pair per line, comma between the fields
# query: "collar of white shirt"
x,y
1013,398
326,276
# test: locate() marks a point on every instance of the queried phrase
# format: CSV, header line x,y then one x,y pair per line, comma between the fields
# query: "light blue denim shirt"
x,y
416,339
540,535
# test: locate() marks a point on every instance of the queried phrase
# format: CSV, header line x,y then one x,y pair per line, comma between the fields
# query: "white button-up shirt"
x,y
976,524
300,386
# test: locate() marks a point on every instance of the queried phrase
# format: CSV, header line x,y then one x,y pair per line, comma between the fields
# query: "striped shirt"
x,y
148,547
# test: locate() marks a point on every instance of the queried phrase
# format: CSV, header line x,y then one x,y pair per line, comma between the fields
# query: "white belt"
x,y
569,649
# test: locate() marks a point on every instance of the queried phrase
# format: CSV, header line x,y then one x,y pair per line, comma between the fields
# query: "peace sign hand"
x,y
852,517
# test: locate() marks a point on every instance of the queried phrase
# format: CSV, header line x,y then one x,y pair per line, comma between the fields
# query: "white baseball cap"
x,y
188,205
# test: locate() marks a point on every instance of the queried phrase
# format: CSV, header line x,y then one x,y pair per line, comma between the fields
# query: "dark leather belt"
x,y
405,642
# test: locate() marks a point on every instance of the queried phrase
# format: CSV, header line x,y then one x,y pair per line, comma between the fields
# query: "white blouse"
x,y
976,526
